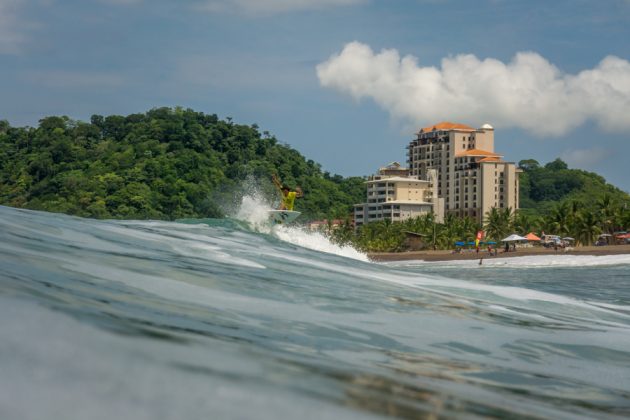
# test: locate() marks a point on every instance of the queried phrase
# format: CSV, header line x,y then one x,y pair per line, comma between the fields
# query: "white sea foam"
x,y
528,261
254,210
315,241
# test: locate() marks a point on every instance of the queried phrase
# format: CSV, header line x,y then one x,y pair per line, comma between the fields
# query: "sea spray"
x,y
254,209
315,241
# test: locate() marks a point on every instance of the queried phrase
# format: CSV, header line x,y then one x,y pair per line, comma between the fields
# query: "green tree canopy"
x,y
163,164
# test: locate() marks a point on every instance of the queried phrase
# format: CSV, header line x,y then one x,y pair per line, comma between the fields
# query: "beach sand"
x,y
520,252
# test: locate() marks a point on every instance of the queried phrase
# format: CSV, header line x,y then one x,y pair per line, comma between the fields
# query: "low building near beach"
x,y
324,225
392,194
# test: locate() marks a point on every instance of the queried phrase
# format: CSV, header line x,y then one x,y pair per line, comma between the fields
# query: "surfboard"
x,y
283,216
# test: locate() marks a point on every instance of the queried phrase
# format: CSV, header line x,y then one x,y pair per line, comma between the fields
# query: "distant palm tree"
x,y
587,227
499,223
525,224
609,212
558,220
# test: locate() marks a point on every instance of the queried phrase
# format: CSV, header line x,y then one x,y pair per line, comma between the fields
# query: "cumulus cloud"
x,y
528,92
585,158
11,38
268,7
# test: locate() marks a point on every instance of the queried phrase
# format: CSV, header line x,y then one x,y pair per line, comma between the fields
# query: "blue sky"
x,y
345,82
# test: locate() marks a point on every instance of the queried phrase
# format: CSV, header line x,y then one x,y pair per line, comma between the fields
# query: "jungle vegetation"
x,y
167,163
171,163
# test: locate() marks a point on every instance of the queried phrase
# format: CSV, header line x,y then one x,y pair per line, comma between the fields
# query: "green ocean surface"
x,y
231,319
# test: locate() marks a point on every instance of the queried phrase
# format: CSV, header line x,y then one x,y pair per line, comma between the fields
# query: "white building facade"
x,y
394,195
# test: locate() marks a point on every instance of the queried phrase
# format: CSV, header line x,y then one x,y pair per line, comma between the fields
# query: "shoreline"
x,y
446,255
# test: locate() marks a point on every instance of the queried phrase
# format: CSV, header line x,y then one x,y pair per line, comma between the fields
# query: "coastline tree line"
x,y
554,199
171,163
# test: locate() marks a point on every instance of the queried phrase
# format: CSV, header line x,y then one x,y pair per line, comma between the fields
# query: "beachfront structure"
x,y
471,177
394,195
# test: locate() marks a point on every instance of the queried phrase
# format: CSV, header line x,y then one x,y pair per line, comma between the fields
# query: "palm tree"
x,y
498,222
609,213
587,227
524,223
558,220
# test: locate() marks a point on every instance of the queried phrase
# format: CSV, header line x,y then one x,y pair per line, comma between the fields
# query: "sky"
x,y
347,83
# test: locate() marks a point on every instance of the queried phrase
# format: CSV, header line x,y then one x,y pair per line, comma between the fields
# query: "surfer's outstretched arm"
x,y
276,181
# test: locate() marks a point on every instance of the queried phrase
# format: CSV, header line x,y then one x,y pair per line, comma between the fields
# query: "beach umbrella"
x,y
471,243
513,237
491,243
532,237
568,239
459,243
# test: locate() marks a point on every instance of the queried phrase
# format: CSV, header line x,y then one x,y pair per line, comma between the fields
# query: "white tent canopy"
x,y
513,237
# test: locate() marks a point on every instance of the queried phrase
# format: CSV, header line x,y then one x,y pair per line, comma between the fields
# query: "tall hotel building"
x,y
471,177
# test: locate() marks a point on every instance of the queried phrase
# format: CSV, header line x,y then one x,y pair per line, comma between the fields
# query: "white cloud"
x,y
585,158
528,92
269,7
11,38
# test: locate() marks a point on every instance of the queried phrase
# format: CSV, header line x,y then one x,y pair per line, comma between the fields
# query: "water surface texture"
x,y
217,319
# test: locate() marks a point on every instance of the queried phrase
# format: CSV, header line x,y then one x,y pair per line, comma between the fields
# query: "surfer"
x,y
288,196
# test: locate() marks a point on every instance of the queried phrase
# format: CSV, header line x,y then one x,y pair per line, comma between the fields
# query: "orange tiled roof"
x,y
477,152
446,126
490,159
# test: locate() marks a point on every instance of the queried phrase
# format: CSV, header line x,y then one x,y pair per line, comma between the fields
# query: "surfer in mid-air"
x,y
288,196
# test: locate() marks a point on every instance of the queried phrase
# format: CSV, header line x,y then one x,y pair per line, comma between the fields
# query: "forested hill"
x,y
162,164
544,187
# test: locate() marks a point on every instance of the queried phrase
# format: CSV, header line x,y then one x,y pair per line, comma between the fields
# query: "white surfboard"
x,y
283,216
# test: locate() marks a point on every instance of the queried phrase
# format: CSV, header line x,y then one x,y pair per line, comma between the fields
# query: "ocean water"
x,y
233,319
